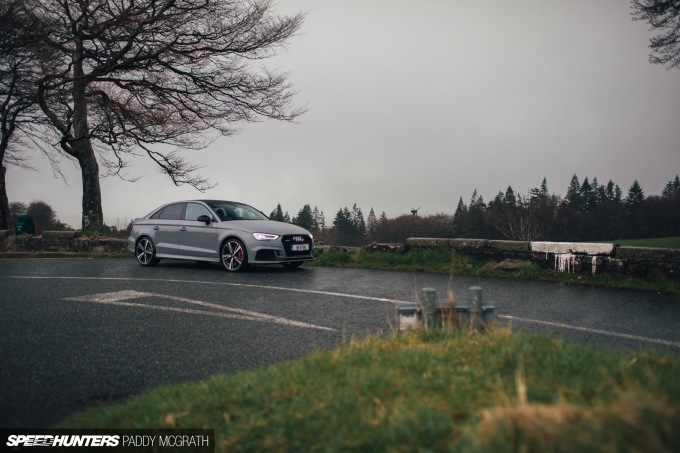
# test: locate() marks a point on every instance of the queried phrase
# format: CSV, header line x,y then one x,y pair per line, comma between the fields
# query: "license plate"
x,y
299,247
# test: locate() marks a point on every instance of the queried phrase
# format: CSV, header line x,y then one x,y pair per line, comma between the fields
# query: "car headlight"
x,y
265,236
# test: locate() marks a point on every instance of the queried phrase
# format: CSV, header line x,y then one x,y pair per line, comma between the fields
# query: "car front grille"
x,y
291,240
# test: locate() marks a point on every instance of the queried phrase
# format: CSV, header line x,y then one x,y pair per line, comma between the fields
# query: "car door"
x,y
196,239
166,229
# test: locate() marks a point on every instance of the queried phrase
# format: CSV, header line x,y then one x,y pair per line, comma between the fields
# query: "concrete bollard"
x,y
430,308
472,313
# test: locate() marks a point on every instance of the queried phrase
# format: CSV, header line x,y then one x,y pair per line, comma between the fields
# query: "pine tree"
x,y
277,214
372,225
573,197
319,220
358,220
672,188
600,192
497,201
635,196
540,192
305,218
618,194
477,202
510,198
634,199
315,215
343,222
474,199
588,202
610,194
461,206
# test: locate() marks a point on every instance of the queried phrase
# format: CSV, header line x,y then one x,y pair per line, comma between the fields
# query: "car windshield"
x,y
226,210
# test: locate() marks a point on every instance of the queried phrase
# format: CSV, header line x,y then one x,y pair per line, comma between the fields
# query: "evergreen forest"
x,y
589,211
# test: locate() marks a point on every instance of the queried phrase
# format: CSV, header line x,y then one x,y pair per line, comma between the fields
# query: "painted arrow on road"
x,y
123,298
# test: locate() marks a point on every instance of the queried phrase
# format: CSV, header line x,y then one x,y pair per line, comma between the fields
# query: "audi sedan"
x,y
234,234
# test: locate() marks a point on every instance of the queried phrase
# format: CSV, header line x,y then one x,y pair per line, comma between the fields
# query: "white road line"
x,y
242,285
595,331
117,298
353,296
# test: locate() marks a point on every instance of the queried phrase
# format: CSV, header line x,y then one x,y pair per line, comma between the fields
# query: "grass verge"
x,y
447,261
427,391
667,243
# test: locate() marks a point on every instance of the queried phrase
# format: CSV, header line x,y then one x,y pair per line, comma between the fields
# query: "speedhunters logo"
x,y
46,440
132,440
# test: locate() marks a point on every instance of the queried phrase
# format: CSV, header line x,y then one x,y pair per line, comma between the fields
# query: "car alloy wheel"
x,y
145,252
234,257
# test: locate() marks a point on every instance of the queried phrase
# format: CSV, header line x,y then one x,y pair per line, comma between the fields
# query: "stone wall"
x,y
574,257
564,256
60,242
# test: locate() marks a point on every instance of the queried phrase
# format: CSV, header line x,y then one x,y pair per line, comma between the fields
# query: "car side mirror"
x,y
204,218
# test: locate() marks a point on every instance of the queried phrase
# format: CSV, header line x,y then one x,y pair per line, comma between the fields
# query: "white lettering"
x,y
184,441
139,441
46,440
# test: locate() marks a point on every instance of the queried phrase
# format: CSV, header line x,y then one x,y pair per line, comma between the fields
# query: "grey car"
x,y
232,233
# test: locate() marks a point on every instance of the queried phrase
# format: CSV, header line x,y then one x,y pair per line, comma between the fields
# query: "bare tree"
x,y
525,218
663,16
17,93
44,216
123,76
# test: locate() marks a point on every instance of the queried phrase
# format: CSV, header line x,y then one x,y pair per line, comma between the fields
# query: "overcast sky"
x,y
415,104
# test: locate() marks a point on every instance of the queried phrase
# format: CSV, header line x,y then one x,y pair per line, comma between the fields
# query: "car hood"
x,y
263,226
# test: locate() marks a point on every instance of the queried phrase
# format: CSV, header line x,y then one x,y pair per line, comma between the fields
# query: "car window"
x,y
172,212
226,210
245,214
195,210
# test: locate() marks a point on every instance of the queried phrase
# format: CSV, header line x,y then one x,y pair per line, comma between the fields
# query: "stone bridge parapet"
x,y
577,257
60,242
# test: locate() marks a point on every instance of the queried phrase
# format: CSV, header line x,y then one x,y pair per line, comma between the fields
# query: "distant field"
x,y
669,243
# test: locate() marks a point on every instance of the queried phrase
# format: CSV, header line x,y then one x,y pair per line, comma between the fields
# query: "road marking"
x,y
595,331
353,296
48,258
119,298
241,285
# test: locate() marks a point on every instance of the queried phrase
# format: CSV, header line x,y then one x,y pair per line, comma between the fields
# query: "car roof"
x,y
223,201
205,201
199,200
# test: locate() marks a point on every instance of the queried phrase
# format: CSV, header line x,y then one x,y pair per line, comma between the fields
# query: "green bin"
x,y
24,225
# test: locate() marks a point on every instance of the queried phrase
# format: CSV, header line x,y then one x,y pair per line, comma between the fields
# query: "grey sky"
x,y
415,104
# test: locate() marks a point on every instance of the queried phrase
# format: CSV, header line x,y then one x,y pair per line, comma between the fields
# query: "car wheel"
x,y
234,256
146,252
292,264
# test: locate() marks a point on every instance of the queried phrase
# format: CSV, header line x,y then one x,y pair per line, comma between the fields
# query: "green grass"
x,y
668,243
447,261
433,260
427,391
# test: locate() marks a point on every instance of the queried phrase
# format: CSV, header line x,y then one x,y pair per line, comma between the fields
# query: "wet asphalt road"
x,y
77,332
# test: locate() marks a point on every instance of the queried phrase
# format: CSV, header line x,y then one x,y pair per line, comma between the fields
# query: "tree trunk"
x,y
81,147
4,202
93,216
